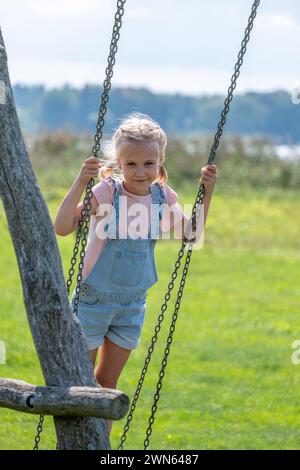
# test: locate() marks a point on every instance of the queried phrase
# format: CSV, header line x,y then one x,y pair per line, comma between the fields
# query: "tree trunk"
x,y
57,335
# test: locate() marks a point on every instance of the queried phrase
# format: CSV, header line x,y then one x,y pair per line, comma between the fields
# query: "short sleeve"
x,y
104,191
170,195
173,212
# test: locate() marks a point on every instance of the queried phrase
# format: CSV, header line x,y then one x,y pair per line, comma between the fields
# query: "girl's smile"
x,y
140,164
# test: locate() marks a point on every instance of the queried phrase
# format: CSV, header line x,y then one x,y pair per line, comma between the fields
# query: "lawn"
x,y
230,382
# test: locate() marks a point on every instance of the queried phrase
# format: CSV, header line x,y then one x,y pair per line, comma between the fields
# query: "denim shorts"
x,y
120,322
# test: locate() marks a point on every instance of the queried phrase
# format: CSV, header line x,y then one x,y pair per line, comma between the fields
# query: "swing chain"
x,y
151,349
85,213
83,226
199,200
38,433
233,81
168,346
195,213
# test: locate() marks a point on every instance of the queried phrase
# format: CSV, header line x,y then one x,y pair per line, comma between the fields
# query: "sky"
x,y
168,46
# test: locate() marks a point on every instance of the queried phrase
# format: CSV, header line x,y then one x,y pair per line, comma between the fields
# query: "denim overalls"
x,y
112,298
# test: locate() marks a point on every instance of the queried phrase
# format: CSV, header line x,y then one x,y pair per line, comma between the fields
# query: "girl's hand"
x,y
209,177
89,169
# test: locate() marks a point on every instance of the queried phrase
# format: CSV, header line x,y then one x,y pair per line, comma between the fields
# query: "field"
x,y
230,382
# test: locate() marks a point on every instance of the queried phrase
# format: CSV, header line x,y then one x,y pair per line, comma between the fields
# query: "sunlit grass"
x,y
230,383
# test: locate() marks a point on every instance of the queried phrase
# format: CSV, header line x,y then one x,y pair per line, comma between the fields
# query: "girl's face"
x,y
140,164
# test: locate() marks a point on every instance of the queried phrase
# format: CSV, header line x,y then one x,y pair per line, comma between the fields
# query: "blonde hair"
x,y
134,127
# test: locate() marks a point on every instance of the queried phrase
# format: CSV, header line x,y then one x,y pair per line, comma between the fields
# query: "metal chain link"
x,y
158,327
199,200
151,347
38,433
168,347
234,78
83,226
85,213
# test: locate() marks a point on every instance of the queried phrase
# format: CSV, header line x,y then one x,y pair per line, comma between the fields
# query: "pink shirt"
x,y
103,193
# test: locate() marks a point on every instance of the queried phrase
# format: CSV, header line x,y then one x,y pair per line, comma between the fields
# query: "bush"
x,y
248,162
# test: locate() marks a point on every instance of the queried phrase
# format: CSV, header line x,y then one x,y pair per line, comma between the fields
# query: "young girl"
x,y
119,265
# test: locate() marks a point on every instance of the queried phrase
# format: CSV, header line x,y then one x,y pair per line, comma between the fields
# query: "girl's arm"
x,y
69,212
208,179
206,202
209,175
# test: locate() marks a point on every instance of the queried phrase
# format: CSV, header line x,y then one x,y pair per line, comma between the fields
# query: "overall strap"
x,y
157,208
157,201
112,227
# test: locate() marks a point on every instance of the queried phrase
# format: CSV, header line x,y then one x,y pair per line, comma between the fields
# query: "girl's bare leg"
x,y
112,359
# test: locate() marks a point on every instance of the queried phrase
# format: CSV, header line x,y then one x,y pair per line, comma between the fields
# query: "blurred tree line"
x,y
260,114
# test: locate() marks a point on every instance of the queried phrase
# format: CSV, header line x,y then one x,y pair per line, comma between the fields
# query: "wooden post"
x,y
56,332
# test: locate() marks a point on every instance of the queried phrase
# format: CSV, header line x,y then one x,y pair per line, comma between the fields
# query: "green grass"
x,y
230,383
